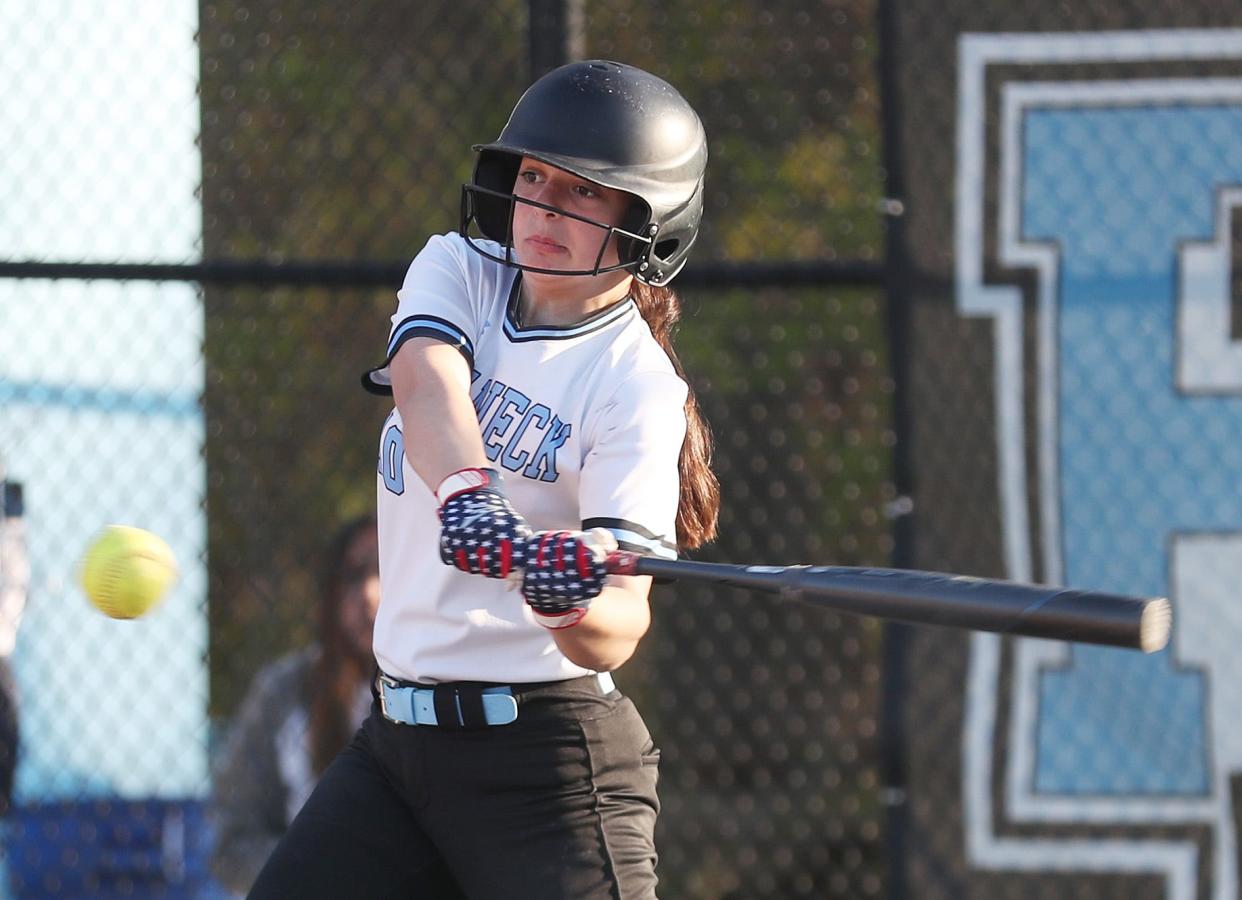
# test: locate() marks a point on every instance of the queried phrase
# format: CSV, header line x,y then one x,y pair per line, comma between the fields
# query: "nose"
x,y
550,194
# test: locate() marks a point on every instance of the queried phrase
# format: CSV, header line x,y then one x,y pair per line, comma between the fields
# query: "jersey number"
x,y
392,453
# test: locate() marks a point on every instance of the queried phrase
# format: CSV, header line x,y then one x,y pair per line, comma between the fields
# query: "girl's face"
x,y
548,240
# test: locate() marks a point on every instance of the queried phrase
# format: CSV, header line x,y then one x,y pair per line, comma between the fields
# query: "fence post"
x,y
896,638
556,34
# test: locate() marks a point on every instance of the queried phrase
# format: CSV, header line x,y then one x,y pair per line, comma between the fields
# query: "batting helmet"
x,y
614,125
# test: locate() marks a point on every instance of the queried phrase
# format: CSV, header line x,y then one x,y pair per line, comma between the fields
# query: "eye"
x,y
583,190
530,176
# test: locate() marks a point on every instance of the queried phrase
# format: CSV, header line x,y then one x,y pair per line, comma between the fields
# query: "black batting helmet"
x,y
614,125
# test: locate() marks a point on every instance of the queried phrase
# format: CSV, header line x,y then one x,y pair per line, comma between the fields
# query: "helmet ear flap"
x,y
635,222
679,228
496,172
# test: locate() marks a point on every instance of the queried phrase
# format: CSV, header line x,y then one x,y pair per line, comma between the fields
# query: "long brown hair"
x,y
337,674
699,506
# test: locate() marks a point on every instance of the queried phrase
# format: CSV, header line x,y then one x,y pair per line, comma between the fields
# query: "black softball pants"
x,y
557,805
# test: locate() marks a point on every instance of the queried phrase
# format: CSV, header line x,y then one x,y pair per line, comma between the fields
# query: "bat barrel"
x,y
1140,623
1007,607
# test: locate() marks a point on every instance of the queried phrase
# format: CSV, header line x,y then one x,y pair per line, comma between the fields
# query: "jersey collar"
x,y
622,309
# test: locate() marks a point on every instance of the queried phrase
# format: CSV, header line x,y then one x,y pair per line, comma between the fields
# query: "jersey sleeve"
x,y
629,482
434,301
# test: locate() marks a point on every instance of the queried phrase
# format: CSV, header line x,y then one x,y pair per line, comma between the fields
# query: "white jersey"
x,y
585,424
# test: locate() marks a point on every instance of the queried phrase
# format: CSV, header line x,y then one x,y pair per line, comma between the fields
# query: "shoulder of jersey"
x,y
637,351
452,242
479,271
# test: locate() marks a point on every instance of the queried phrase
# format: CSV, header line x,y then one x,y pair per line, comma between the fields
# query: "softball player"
x,y
540,420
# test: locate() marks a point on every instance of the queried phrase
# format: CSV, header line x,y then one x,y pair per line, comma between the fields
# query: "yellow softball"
x,y
127,570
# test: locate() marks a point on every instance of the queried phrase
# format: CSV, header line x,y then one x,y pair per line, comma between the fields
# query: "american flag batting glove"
x,y
480,531
565,571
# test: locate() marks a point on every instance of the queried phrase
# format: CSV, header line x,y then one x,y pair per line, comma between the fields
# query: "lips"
x,y
546,244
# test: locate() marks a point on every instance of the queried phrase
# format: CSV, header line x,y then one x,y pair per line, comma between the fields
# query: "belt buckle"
x,y
385,681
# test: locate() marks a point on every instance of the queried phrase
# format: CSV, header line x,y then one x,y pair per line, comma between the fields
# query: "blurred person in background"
x,y
299,712
14,584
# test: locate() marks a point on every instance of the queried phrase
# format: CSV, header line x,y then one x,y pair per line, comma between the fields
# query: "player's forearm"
x,y
431,386
610,632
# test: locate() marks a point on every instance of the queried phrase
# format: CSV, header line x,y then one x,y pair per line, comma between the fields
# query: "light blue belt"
x,y
412,705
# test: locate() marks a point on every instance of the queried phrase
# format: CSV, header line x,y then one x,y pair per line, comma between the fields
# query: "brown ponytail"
x,y
699,506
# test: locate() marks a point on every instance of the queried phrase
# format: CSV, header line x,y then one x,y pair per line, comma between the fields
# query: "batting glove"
x,y
480,531
565,571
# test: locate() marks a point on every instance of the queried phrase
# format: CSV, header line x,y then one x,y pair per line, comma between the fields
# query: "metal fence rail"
x,y
206,388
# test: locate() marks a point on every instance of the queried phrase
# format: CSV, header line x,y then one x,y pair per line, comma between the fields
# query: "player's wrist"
x,y
465,480
567,619
480,531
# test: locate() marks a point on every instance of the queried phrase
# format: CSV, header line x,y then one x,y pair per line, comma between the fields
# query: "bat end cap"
x,y
1154,625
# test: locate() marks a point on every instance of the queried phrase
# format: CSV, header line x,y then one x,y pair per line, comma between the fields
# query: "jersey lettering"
x,y
505,415
543,466
515,461
501,422
488,393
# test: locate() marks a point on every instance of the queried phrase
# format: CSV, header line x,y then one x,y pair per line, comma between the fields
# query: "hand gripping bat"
x,y
934,598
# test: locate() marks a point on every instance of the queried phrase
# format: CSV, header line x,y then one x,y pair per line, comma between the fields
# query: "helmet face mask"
x,y
615,126
479,204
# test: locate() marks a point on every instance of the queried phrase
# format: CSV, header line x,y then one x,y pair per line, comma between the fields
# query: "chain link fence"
x,y
339,134
264,170
1072,409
